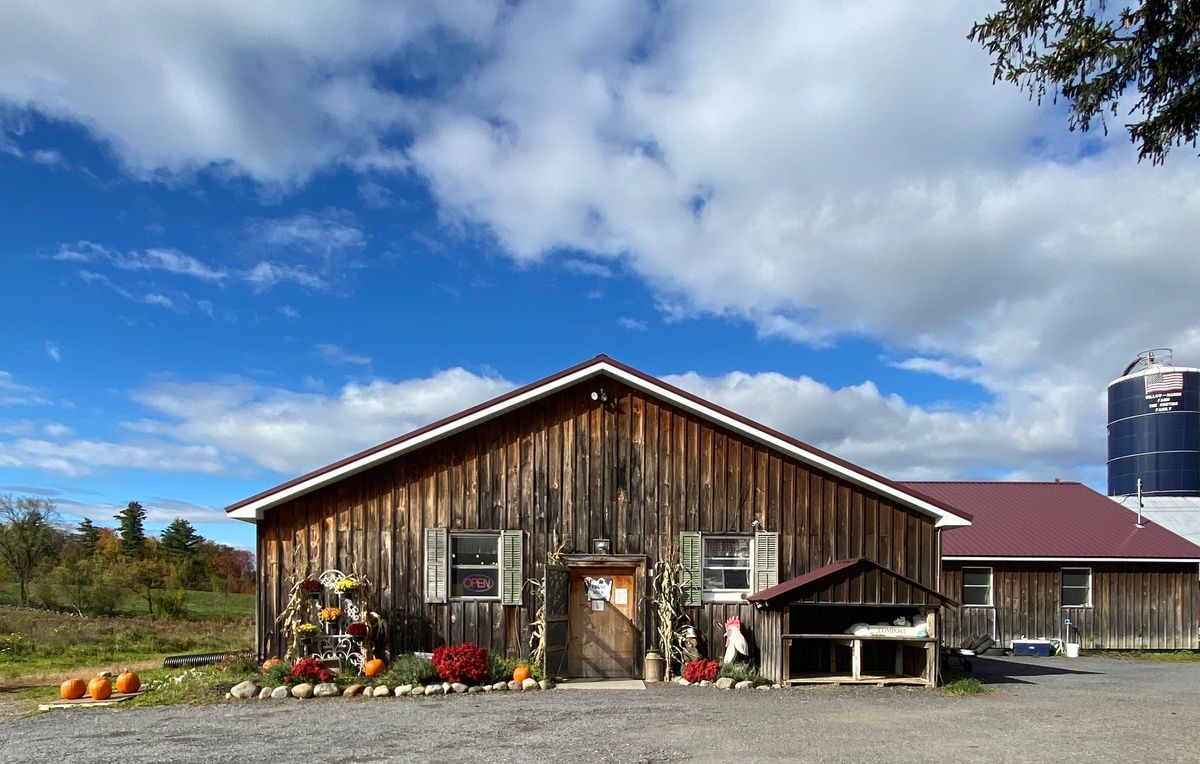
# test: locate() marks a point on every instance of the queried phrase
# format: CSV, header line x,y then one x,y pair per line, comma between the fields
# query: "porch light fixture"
x,y
601,546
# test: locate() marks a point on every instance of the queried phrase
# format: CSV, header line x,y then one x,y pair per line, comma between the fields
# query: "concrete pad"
x,y
601,684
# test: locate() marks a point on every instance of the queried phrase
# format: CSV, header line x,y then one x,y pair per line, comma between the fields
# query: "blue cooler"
x,y
1039,648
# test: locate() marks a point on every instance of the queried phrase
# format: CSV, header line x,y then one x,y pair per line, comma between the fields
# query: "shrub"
x,y
408,669
739,672
464,663
502,668
171,605
276,675
701,670
309,670
235,663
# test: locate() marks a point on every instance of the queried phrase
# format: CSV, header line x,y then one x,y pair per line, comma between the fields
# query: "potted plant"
x,y
348,588
312,588
329,616
306,631
357,631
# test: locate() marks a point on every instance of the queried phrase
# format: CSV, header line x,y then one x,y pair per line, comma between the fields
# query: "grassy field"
x,y
40,647
199,604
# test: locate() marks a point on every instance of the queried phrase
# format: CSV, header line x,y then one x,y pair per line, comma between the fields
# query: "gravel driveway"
x,y
1052,710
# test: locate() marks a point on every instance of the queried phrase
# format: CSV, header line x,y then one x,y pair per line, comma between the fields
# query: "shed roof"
x,y
1178,514
828,576
1050,520
252,508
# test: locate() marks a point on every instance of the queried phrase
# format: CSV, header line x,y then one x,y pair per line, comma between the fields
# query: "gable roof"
x,y
1050,521
829,575
251,509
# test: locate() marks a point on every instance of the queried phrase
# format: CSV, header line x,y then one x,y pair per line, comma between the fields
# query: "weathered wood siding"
x,y
1135,606
567,470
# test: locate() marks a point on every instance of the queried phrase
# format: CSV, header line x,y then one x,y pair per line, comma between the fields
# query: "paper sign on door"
x,y
621,596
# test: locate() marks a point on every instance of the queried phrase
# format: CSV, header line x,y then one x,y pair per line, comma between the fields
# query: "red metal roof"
x,y
827,575
653,381
1049,520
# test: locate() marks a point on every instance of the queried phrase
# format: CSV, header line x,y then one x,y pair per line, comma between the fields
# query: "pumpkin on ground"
x,y
72,689
128,682
520,673
271,663
374,667
100,688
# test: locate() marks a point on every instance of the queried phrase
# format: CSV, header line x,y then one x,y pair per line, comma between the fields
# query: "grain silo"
x,y
1154,428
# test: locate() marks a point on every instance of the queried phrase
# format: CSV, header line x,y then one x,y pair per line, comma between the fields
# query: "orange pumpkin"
x,y
72,689
128,682
520,673
271,663
100,688
374,667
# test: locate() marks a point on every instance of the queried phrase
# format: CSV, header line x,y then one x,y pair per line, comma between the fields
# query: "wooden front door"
x,y
602,642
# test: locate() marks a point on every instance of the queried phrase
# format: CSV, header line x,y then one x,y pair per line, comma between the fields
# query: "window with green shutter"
x,y
512,567
690,558
436,548
766,560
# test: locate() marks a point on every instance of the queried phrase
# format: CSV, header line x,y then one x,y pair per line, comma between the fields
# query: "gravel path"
x,y
1050,710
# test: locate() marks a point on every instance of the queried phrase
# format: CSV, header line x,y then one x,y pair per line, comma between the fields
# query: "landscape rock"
x,y
457,687
245,690
474,690
303,690
705,683
404,689
435,689
264,693
546,684
229,696
530,684
500,686
417,691
724,683
382,691
763,687
446,688
279,693
352,690
683,682
745,684
514,685
326,690
488,688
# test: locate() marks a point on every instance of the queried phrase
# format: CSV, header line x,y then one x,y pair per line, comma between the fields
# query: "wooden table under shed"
x,y
801,627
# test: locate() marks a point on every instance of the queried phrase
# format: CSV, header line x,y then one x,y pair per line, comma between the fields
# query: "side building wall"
x,y
1135,605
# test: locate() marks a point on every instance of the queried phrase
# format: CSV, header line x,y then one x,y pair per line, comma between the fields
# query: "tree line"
x,y
88,568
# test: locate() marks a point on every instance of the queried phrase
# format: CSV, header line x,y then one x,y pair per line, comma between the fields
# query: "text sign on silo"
x,y
1164,390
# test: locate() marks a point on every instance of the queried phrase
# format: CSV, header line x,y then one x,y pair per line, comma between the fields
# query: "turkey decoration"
x,y
735,642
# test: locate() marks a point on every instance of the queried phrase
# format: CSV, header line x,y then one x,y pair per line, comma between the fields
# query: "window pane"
x,y
977,577
474,550
737,579
1074,597
475,582
1076,577
727,552
976,595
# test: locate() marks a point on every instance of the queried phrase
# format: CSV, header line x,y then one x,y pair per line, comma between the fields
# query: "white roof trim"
x,y
1072,559
254,511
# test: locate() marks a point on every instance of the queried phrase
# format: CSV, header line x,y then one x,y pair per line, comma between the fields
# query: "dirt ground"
x,y
1052,710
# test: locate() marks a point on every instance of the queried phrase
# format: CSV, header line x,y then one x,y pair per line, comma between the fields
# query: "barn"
x,y
1059,560
599,472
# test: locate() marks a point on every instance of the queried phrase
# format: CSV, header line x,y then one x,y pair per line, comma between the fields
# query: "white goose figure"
x,y
735,642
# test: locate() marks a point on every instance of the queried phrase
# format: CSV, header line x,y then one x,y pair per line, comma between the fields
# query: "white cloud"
x,y
159,510
339,356
272,90
325,236
53,351
290,432
632,324
12,393
80,456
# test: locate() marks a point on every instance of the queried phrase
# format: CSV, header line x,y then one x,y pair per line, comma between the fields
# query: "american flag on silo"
x,y
1161,382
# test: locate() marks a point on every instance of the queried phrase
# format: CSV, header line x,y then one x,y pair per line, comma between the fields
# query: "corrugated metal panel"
x,y
1049,520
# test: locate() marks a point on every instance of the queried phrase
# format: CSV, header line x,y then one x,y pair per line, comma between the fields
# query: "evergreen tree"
x,y
86,536
133,530
180,540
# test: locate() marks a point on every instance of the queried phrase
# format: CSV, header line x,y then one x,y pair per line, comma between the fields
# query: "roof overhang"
x,y
251,510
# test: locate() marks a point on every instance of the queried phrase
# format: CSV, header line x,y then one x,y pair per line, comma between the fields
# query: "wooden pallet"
x,y
116,697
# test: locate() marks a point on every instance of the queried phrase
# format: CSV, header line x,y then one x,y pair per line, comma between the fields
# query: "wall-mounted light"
x,y
600,396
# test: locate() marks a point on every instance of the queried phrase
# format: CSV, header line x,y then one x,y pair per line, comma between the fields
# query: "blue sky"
x,y
235,251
